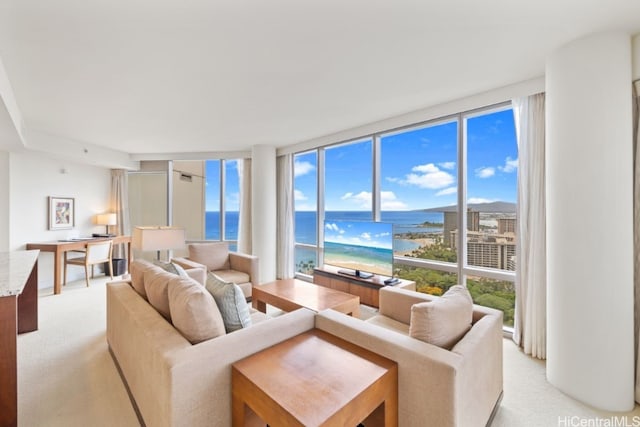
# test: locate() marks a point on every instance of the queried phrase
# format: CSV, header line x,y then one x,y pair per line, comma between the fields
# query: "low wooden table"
x,y
315,379
292,294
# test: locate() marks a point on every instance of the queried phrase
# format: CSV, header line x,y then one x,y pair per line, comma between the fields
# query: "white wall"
x,y
4,201
263,209
636,57
34,177
589,221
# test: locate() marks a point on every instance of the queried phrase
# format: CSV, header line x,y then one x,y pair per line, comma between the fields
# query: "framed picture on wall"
x,y
61,213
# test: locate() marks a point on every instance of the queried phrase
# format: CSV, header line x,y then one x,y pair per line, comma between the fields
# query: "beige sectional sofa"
x,y
173,382
176,383
437,387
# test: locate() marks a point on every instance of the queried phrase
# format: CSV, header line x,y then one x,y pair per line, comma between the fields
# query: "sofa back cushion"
x,y
156,282
214,255
443,321
231,302
138,267
194,311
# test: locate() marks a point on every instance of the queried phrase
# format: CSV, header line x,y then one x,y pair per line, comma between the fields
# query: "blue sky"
x,y
360,233
419,168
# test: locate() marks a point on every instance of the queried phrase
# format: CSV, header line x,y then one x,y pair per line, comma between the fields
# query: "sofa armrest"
x,y
246,264
186,263
196,271
396,302
428,383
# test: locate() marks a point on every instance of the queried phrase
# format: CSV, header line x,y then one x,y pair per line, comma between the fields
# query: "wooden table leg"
x,y
8,355
259,305
58,267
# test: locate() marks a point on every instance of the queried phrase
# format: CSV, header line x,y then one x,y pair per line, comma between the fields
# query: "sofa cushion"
x,y
194,311
389,323
443,321
231,302
233,276
156,283
138,267
214,255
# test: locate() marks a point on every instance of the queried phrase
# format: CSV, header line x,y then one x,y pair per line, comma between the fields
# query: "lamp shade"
x,y
106,219
157,238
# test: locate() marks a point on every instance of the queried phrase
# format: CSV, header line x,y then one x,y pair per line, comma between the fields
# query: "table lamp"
x,y
158,238
107,220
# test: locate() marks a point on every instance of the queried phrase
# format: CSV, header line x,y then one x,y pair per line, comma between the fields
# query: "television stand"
x,y
367,289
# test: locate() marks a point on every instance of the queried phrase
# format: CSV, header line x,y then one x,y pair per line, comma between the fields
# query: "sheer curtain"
x,y
530,329
244,220
119,204
636,228
286,241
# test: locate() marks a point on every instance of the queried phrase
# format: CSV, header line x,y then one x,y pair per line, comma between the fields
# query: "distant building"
x,y
490,250
451,224
507,225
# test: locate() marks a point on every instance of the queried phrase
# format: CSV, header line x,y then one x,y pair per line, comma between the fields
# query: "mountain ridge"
x,y
491,207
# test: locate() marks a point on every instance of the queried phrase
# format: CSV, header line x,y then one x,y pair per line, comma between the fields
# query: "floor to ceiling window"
x,y
222,194
420,178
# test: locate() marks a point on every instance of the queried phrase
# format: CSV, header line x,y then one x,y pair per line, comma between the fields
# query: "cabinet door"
x,y
340,285
321,280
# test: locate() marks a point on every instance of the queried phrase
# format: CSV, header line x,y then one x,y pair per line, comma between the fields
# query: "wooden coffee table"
x,y
292,294
315,379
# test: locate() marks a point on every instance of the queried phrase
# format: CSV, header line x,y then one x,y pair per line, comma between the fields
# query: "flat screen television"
x,y
359,248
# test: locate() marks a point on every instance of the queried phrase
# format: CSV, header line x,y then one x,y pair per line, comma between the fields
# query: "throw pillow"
x,y
214,255
194,311
172,268
231,302
443,321
156,283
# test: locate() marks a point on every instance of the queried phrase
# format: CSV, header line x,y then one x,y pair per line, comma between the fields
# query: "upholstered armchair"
x,y
241,269
458,384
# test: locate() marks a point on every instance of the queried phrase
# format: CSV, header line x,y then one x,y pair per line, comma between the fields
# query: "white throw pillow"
x,y
443,321
194,311
231,302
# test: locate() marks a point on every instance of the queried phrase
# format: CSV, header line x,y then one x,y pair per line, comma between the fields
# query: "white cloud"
x,y
299,195
428,176
485,172
510,165
332,226
302,168
366,236
346,196
447,191
447,165
388,200
479,200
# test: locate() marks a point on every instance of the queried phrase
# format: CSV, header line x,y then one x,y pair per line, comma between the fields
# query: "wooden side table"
x,y
315,379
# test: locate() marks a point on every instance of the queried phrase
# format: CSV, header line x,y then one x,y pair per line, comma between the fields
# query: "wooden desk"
x,y
60,247
18,314
315,379
292,294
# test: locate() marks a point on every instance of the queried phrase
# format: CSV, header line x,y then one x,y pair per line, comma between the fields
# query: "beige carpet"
x,y
67,378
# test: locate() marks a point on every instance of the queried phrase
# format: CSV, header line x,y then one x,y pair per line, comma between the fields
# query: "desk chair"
x,y
97,253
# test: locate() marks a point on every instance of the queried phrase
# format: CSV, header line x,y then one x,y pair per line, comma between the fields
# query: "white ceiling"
x,y
147,76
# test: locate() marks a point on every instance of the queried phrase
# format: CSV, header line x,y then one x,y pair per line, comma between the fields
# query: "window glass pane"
x,y
429,281
418,184
498,294
492,173
348,181
231,199
305,184
212,200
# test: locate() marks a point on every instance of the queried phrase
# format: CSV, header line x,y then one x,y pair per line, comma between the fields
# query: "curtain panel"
x,y
244,220
285,227
119,204
530,328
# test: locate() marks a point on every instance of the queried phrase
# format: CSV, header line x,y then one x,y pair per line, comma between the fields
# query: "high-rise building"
x,y
507,225
451,224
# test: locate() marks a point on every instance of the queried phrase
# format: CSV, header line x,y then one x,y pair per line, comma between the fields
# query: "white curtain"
x,y
285,240
119,204
636,228
244,220
530,329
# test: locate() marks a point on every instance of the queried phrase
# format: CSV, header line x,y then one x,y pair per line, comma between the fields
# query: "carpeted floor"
x,y
66,376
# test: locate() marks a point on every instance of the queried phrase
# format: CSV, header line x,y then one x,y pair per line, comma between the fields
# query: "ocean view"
x,y
305,224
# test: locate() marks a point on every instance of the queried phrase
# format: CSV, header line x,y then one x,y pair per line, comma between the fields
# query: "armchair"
x,y
437,387
241,269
